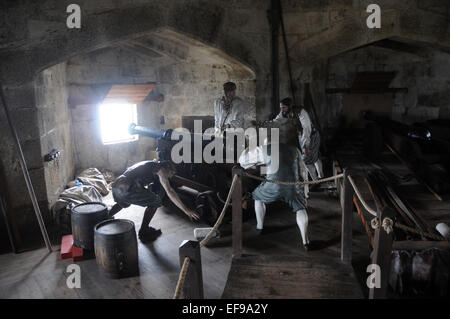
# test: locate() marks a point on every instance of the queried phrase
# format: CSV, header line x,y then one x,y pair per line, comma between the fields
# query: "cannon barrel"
x,y
150,132
417,131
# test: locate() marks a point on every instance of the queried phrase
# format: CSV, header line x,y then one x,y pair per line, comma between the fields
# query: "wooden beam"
x,y
419,179
383,242
275,25
382,252
347,219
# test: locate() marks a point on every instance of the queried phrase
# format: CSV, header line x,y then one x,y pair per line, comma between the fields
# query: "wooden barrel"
x,y
84,217
116,248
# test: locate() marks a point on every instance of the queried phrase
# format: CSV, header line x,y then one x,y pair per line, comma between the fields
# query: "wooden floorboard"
x,y
290,277
36,274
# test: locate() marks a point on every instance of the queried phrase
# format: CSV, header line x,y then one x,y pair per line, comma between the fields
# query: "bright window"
x,y
114,121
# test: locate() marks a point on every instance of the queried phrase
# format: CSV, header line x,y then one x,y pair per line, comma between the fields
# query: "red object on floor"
x,y
77,253
68,250
66,246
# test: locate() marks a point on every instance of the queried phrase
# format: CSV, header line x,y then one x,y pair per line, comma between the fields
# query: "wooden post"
x,y
383,242
347,219
193,285
237,213
338,182
275,26
381,255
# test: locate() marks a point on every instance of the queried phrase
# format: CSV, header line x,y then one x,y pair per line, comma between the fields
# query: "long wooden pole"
x,y
8,228
275,21
286,51
347,219
26,175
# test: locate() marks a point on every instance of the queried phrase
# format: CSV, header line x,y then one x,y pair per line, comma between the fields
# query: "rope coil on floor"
x,y
182,277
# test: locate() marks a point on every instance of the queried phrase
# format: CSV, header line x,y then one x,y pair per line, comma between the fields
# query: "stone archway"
x,y
23,68
352,33
205,21
186,72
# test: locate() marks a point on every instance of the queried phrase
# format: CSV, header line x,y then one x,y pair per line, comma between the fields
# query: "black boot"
x,y
149,234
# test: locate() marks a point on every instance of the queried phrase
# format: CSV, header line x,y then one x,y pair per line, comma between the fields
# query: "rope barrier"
x,y
358,194
222,214
319,181
387,223
181,278
186,261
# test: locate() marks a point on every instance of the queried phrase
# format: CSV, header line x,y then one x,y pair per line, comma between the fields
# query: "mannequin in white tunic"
x,y
229,110
310,145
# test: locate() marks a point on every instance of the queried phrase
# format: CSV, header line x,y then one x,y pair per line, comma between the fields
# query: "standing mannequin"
x,y
309,142
285,121
228,110
293,195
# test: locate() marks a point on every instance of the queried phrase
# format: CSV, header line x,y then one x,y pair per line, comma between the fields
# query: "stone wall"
x,y
189,89
24,115
55,129
34,37
426,76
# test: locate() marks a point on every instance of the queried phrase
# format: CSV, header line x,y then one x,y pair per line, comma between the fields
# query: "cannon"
x,y
150,132
422,146
204,185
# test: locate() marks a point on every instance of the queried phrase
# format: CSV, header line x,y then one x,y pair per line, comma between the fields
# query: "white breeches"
x,y
301,217
302,222
260,210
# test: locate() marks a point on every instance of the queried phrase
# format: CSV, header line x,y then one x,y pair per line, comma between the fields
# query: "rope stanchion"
x,y
181,278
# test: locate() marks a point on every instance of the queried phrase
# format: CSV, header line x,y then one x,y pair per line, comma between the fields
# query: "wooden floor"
x,y
36,274
291,277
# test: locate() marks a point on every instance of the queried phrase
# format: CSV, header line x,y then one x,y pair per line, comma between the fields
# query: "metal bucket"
x,y
116,248
84,217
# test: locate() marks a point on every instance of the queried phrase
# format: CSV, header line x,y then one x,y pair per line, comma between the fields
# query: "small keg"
x,y
84,217
116,248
